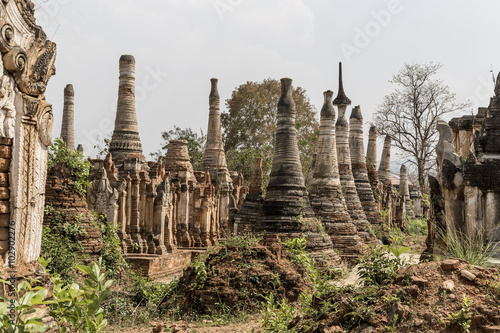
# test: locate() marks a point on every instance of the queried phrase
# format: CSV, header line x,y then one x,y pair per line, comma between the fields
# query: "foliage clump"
x,y
77,164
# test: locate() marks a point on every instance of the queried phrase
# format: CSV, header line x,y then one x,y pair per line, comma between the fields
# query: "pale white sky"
x,y
180,44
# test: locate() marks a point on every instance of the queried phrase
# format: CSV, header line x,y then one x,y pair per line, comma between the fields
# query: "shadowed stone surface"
x,y
214,156
246,218
404,189
68,121
287,197
359,170
125,139
371,161
326,195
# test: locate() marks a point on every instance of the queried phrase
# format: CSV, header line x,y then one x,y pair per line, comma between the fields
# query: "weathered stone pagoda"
x,y
371,163
325,192
286,210
351,197
358,164
387,195
68,121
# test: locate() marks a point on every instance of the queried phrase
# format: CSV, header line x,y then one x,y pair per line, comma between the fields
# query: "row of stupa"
x,y
344,187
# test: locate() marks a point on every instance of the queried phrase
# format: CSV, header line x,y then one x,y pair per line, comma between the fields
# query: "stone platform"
x,y
165,267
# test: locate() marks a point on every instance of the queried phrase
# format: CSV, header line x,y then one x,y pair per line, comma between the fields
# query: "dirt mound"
x,y
437,296
237,275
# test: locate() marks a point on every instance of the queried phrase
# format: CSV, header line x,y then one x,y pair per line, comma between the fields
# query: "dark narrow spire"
x,y
341,97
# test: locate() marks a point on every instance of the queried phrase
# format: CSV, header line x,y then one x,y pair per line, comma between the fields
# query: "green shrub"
x,y
416,227
78,165
380,267
77,308
111,251
462,318
277,315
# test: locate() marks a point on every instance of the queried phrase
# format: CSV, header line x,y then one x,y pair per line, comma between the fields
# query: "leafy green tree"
x,y
196,143
249,125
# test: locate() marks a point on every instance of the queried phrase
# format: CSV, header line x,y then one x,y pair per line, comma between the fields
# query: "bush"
x,y
416,227
111,251
382,264
78,165
61,245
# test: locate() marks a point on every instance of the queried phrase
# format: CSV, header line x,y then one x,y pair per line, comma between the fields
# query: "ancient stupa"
x,y
68,121
286,210
371,161
359,170
325,194
125,141
214,156
353,203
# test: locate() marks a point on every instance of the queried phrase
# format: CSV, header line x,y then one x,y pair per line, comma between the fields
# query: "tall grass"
x,y
475,249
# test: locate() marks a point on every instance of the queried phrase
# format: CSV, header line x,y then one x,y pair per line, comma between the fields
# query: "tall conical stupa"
x,y
126,139
359,170
214,156
68,121
326,195
286,209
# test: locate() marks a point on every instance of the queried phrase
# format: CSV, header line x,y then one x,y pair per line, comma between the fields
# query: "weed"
x,y
462,318
379,267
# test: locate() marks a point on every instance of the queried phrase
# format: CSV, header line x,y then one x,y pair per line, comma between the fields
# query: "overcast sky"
x,y
180,44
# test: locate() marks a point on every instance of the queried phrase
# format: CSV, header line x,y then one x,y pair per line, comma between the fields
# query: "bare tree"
x,y
409,114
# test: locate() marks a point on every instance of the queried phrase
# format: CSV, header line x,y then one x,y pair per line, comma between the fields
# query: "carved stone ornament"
x,y
45,126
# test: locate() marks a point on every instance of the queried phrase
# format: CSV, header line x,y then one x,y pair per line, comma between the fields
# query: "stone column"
x,y
286,209
125,139
384,170
68,121
404,189
371,162
359,170
214,156
325,194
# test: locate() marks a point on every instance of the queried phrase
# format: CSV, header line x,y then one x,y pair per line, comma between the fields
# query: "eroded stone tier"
x,y
286,210
126,139
371,161
177,157
353,203
325,192
68,121
214,156
404,189
359,170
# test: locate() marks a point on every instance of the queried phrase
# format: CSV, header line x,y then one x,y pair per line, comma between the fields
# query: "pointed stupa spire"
x,y
359,170
126,139
286,196
341,98
214,156
497,86
68,121
326,195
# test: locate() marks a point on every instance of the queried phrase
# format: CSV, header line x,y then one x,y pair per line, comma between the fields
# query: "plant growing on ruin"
x,y
462,318
475,248
382,264
77,164
277,315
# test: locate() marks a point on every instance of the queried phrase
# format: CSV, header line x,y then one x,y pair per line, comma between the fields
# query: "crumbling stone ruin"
x,y
465,193
371,163
387,194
